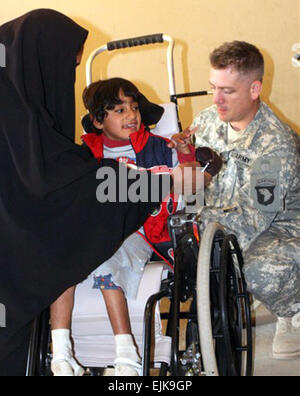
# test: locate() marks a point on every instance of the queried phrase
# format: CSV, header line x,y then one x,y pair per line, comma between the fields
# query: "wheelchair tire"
x,y
207,342
235,309
223,305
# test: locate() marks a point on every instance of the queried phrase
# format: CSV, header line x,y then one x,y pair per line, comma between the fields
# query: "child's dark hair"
x,y
104,95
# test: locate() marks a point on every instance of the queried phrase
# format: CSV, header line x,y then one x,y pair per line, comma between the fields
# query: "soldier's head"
x,y
236,75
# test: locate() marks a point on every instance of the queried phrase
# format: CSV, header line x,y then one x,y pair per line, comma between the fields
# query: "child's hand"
x,y
182,140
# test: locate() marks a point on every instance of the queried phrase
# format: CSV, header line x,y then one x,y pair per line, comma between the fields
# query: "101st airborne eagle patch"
x,y
265,184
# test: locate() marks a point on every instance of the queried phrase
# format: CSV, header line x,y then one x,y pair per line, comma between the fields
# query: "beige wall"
x,y
198,26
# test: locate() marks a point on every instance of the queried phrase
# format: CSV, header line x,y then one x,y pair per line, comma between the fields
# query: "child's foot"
x,y
63,363
128,362
127,368
66,366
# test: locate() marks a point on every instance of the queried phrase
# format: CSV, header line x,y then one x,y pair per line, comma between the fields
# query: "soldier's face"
x,y
235,95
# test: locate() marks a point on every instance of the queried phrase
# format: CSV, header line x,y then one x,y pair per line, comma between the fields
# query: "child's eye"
x,y
119,111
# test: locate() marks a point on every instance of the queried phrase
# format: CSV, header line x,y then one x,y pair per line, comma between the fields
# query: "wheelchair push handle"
x,y
135,41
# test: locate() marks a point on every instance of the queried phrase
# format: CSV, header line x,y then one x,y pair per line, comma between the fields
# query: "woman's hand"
x,y
189,181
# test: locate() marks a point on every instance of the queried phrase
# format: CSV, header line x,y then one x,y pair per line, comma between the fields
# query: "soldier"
x,y
257,193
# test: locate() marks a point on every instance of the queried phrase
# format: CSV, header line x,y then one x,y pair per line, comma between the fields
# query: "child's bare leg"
x,y
61,310
127,361
63,363
117,310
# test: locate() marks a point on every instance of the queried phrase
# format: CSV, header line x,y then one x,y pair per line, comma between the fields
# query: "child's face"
x,y
122,121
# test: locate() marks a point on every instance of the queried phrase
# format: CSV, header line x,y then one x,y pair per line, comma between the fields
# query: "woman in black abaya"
x,y
53,231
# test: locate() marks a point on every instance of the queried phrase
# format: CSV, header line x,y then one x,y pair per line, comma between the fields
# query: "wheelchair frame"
x,y
208,273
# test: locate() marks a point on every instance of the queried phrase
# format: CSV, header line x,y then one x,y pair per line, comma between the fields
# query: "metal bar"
x,y
192,94
89,63
32,351
147,332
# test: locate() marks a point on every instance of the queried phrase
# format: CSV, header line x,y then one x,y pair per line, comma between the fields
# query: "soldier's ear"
x,y
255,89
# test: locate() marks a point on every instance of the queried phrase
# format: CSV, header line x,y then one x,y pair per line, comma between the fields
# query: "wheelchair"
x,y
208,274
207,277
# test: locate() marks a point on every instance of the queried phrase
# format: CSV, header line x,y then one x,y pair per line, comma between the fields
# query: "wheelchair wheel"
x,y
39,355
223,306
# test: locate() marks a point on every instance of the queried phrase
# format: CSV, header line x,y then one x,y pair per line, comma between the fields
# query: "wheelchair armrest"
x,y
151,280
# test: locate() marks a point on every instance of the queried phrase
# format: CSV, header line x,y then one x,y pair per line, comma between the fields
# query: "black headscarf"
x,y
53,231
37,99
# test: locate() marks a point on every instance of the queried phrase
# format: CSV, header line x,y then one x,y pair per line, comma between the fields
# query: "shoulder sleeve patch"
x,y
265,184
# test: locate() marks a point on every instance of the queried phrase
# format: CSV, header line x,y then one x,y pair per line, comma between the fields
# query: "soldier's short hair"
x,y
242,56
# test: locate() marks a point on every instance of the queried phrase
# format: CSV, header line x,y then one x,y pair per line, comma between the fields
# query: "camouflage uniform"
x,y
256,196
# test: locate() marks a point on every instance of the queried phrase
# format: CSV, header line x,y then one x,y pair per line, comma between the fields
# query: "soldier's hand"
x,y
208,157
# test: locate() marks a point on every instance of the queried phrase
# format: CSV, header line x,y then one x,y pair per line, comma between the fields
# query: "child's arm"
x,y
187,152
181,142
189,157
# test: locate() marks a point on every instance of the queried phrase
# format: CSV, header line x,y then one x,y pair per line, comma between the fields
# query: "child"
x,y
117,111
116,122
